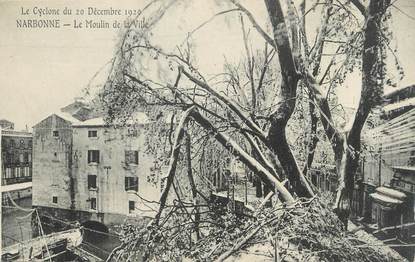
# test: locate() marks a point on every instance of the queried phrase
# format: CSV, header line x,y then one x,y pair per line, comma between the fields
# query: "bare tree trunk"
x,y
277,139
258,187
312,143
370,96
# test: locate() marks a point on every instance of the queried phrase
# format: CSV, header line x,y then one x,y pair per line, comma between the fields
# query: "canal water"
x,y
16,222
16,227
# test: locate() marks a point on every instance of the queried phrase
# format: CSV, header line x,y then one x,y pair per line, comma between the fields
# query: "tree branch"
x,y
360,7
244,157
254,23
245,119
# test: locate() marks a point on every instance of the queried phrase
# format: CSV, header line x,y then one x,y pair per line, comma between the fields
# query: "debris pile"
x,y
305,231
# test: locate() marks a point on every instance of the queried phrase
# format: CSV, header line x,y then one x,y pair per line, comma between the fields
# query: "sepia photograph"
x,y
218,130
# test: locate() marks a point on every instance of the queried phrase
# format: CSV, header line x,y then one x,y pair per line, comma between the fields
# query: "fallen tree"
x,y
306,230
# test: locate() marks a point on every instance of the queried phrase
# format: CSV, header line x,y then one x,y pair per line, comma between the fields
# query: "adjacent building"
x,y
16,162
389,162
384,193
6,124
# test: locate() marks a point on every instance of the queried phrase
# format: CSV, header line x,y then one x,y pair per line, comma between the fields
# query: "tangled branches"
x,y
305,231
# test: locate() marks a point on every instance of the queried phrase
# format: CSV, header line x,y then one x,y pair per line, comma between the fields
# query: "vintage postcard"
x,y
219,130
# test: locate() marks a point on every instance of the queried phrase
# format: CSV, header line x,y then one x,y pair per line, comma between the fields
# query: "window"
x,y
93,203
131,157
131,183
27,171
55,157
92,133
55,133
9,172
314,179
131,206
327,184
29,156
7,158
55,199
93,156
22,144
26,157
21,158
92,181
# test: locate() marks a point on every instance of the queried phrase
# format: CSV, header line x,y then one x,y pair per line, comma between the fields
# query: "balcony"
x,y
15,180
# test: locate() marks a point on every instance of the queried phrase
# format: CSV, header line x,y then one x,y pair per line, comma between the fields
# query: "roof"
x,y
66,116
15,187
6,132
98,121
6,121
400,104
6,124
391,192
388,195
74,106
396,90
138,118
385,199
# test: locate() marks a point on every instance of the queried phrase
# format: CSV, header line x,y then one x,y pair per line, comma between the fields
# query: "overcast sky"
x,y
42,70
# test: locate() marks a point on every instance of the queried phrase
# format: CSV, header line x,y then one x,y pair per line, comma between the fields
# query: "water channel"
x,y
16,227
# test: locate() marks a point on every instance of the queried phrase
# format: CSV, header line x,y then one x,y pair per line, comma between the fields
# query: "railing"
x,y
15,180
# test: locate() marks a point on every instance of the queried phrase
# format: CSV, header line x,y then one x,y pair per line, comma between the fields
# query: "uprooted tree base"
x,y
307,230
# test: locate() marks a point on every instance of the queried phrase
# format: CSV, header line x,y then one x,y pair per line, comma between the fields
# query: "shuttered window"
x,y
92,181
92,133
93,156
131,183
131,206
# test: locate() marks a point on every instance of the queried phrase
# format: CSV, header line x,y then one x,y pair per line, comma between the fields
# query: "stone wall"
x,y
51,163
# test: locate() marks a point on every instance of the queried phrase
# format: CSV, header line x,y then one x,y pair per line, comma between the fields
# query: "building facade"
x,y
16,149
16,164
384,193
389,162
93,170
